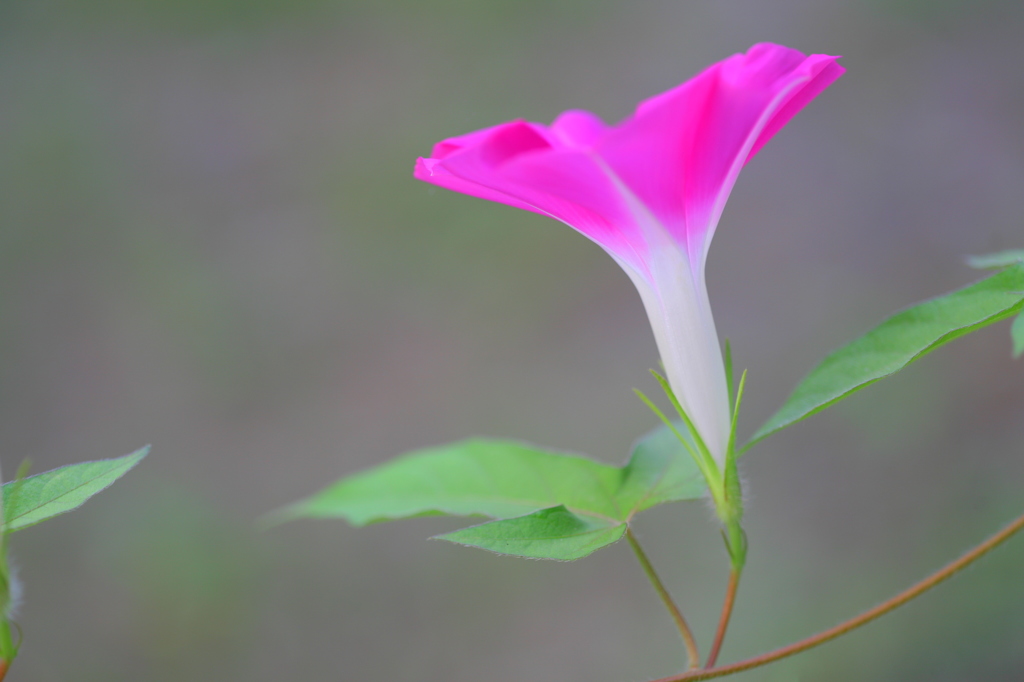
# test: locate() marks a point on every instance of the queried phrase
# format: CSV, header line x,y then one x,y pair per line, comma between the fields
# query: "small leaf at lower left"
x,y
553,533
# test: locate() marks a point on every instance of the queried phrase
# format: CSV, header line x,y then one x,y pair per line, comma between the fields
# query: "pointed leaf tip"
x,y
31,500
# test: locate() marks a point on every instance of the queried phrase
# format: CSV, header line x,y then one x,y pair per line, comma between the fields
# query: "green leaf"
x,y
500,479
1004,259
36,498
1017,334
515,482
554,533
660,470
999,260
901,339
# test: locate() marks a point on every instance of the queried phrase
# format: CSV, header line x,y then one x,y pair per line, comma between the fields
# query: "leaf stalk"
x,y
692,653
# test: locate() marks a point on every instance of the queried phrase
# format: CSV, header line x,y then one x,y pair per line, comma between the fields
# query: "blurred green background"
x,y
210,240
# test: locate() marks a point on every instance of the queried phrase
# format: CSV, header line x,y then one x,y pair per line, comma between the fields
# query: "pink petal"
x,y
824,70
578,129
669,168
469,140
680,153
433,171
515,164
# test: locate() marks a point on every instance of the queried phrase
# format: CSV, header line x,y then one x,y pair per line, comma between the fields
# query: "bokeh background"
x,y
210,240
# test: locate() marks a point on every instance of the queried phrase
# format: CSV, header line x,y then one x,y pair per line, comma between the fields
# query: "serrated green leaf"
x,y
898,341
991,261
512,481
1017,334
500,479
554,533
506,479
37,498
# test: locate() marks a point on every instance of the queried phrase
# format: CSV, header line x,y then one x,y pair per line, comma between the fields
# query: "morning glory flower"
x,y
650,191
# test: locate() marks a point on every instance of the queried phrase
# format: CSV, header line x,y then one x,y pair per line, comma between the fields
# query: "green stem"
x,y
692,654
900,599
7,648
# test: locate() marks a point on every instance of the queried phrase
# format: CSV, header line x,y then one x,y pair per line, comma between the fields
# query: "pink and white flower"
x,y
650,191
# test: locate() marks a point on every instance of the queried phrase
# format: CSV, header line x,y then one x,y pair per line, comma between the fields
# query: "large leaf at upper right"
x,y
901,339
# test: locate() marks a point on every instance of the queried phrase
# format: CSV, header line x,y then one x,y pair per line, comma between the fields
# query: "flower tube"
x,y
650,192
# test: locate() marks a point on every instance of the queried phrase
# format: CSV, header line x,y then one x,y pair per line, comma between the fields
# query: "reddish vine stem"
x,y
723,620
871,614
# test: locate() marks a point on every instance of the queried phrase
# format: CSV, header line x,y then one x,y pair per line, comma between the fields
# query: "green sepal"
x,y
735,539
733,488
684,435
710,466
727,358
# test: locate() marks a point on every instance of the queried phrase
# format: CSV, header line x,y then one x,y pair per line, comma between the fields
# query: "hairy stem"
x,y
723,620
692,654
871,614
